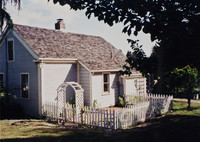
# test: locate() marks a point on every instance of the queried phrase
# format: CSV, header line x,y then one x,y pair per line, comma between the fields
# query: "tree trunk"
x,y
189,97
189,103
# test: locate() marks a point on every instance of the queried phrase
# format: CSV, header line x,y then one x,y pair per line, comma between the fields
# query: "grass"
x,y
180,108
29,128
178,125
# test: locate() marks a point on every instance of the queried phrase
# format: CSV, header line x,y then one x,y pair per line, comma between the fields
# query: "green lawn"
x,y
178,125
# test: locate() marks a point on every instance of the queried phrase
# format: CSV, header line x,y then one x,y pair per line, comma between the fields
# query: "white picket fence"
x,y
156,105
147,107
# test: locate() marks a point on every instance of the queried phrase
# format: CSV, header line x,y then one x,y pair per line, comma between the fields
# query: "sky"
x,y
43,14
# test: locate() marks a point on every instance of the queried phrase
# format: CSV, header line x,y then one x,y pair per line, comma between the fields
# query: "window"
x,y
1,82
24,86
106,83
10,50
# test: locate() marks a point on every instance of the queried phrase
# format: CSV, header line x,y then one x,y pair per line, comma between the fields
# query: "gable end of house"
x,y
35,56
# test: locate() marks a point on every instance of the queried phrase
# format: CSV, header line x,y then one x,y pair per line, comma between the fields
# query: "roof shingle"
x,y
93,51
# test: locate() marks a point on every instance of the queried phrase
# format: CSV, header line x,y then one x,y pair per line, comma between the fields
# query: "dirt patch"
x,y
39,123
113,108
68,125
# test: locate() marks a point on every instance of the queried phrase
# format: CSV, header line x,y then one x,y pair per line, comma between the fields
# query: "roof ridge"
x,y
57,31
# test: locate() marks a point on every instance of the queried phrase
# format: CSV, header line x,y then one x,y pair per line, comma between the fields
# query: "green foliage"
x,y
121,102
68,105
162,19
96,104
136,59
4,15
9,96
11,111
184,80
72,99
8,107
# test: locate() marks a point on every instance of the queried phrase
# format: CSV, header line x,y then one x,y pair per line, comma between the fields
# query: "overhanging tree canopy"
x,y
161,18
173,23
4,15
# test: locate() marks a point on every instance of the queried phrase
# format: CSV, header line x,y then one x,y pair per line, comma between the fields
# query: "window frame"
x,y
108,83
10,39
21,85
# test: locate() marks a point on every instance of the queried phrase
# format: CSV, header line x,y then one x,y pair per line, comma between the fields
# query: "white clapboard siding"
x,y
105,99
84,78
53,75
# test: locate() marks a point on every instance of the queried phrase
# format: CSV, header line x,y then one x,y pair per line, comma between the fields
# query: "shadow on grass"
x,y
171,128
73,136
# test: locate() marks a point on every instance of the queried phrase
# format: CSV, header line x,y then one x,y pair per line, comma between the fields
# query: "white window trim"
x,y
106,93
3,78
21,85
11,39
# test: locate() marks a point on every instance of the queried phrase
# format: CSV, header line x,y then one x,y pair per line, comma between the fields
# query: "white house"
x,y
35,61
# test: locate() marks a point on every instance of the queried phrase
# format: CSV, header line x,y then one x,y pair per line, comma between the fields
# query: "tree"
x,y
174,23
160,18
4,15
184,81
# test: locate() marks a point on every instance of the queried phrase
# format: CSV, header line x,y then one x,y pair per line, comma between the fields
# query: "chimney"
x,y
60,24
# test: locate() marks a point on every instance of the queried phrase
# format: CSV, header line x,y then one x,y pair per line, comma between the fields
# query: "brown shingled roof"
x,y
93,51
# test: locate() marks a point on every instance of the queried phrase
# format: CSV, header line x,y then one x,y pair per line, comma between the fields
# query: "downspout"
x,y
91,74
40,66
78,75
7,73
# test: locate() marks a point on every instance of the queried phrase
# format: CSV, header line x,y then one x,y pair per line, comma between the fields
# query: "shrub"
x,y
10,111
121,102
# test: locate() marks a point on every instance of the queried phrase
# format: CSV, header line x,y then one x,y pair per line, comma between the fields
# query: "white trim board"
x,y
84,66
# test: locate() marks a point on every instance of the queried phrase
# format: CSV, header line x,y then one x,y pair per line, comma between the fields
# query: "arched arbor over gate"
x,y
61,94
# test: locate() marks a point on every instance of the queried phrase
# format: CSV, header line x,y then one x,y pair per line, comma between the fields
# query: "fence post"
x,y
86,115
65,115
114,123
98,117
72,113
107,118
171,105
93,116
101,119
104,118
110,119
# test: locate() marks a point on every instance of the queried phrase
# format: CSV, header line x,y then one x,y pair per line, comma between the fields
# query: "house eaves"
x,y
114,70
135,75
84,66
56,60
